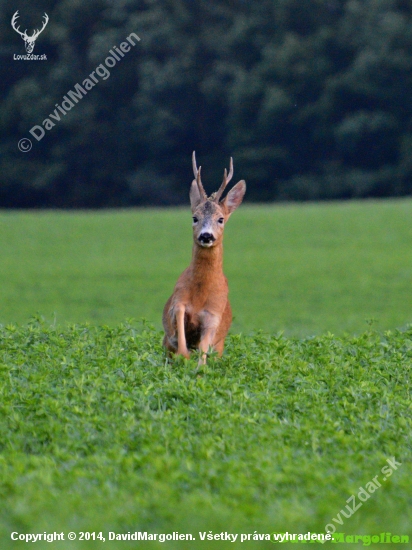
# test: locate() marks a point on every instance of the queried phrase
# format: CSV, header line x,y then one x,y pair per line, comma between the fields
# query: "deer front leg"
x,y
181,336
205,344
210,324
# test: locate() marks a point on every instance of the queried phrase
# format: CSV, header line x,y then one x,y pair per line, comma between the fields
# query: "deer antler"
x,y
226,179
13,24
36,32
196,172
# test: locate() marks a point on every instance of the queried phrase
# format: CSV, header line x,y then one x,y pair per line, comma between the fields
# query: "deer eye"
x,y
195,220
221,220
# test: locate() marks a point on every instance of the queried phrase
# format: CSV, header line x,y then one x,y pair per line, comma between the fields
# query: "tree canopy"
x,y
312,100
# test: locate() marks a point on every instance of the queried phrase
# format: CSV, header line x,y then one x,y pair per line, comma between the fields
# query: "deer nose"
x,y
206,238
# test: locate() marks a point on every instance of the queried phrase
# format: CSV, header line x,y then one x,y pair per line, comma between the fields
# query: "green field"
x,y
302,269
99,432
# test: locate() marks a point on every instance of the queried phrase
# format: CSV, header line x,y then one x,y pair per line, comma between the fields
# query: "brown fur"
x,y
198,314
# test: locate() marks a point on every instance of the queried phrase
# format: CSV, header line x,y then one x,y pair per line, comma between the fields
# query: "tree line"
x,y
312,100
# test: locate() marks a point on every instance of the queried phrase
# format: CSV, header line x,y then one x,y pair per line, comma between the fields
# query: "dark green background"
x,y
312,99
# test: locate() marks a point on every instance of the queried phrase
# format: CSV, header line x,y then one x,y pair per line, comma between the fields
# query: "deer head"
x,y
211,214
29,41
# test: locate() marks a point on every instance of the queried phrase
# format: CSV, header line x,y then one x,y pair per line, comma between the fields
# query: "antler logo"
x,y
29,41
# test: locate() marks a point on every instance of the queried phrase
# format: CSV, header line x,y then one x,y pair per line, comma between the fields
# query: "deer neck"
x,y
207,263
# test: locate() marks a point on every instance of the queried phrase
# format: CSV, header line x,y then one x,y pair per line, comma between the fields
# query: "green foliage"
x,y
302,269
309,97
100,432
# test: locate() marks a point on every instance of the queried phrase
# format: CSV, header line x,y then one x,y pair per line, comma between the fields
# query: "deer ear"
x,y
235,196
195,198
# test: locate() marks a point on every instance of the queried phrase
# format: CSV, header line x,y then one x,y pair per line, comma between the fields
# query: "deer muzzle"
x,y
206,239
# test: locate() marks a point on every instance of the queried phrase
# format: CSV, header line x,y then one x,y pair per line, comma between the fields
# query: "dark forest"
x,y
312,99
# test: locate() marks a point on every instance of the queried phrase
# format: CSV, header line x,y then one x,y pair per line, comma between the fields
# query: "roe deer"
x,y
198,313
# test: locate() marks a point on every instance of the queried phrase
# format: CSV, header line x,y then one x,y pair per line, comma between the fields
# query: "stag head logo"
x,y
29,41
